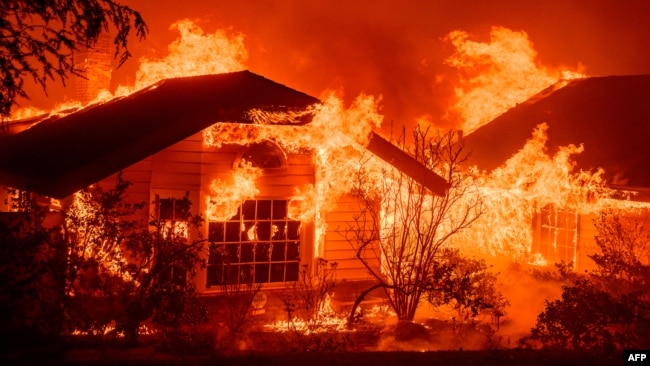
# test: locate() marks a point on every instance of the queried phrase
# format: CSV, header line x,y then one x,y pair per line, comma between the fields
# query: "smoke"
x,y
396,50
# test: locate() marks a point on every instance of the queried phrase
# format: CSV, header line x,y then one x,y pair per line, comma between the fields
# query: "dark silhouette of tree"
x,y
609,307
122,272
469,287
38,39
403,229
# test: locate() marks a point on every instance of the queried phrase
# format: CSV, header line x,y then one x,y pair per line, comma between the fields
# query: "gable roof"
x,y
62,154
59,155
609,115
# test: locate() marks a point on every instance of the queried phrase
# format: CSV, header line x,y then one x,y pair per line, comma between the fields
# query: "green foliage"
x,y
39,39
609,308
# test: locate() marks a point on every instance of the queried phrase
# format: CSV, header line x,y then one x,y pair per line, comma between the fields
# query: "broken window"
x,y
259,244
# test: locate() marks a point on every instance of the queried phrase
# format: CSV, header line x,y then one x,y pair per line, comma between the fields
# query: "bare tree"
x,y
402,229
38,38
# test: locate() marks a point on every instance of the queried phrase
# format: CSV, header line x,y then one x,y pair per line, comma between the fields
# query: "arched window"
x,y
264,155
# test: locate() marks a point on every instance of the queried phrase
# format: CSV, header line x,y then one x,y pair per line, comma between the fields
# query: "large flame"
x,y
193,53
227,196
497,75
528,181
336,136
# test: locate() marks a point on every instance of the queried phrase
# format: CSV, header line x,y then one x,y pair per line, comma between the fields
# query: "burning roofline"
x,y
62,154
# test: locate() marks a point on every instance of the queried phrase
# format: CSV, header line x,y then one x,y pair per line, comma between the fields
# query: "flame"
x,y
326,321
528,181
105,252
336,136
226,197
495,76
193,53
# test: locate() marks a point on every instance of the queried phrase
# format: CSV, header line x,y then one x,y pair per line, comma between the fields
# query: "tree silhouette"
x,y
38,39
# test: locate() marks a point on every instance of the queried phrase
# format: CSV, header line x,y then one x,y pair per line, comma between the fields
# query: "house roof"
x,y
609,115
59,155
62,154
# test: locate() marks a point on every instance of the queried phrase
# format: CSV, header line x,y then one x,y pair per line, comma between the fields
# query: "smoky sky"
x,y
396,49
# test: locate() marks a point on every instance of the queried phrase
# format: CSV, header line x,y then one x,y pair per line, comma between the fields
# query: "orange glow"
x,y
193,53
495,76
336,136
226,197
528,181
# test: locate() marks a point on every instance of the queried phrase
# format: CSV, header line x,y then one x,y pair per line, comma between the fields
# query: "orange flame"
x,y
336,136
528,181
495,76
226,197
193,53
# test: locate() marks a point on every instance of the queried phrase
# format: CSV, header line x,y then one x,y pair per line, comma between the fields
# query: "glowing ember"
x,y
495,76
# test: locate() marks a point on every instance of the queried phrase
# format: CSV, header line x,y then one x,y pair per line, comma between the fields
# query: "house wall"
x,y
337,248
189,166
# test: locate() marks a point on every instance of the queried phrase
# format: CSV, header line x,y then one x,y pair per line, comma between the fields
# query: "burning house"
x,y
558,159
245,149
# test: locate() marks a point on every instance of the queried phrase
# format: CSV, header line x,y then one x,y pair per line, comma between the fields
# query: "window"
x,y
558,233
264,155
173,209
176,212
258,244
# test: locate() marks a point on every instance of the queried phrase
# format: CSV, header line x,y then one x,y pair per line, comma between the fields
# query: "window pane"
x,y
264,230
277,272
230,274
248,210
166,209
262,273
214,275
247,253
279,210
278,252
293,251
262,252
232,231
215,232
293,230
292,272
231,254
263,210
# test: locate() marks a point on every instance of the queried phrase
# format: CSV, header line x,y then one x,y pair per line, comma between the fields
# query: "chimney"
x,y
96,68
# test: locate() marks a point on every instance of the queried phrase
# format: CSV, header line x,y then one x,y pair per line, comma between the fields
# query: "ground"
x,y
149,356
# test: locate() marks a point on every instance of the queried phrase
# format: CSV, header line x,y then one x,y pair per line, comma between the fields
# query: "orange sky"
x,y
394,48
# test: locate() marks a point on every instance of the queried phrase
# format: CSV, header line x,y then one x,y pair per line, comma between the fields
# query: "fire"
x,y
336,136
528,181
193,53
226,197
495,76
